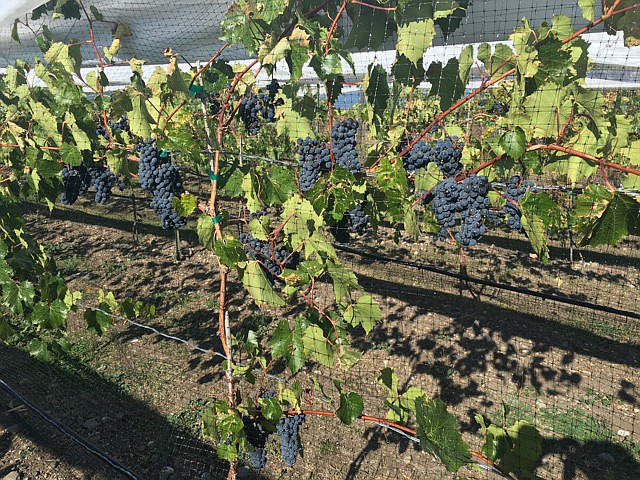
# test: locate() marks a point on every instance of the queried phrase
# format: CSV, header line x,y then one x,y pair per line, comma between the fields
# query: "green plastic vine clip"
x,y
213,176
193,89
164,153
217,219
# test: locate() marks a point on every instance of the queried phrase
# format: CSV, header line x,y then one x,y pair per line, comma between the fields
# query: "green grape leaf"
x,y
230,252
344,280
140,120
227,452
450,82
14,31
299,53
317,346
348,357
416,28
270,55
97,321
389,380
437,430
514,142
280,343
620,218
70,154
185,204
373,26
406,72
627,21
206,231
259,286
376,89
39,348
68,57
51,316
588,9
5,330
16,296
365,312
351,407
270,408
539,214
526,447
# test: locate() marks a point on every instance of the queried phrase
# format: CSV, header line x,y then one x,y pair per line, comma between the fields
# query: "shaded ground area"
x,y
572,372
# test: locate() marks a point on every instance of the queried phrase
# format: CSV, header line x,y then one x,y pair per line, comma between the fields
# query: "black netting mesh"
x,y
493,331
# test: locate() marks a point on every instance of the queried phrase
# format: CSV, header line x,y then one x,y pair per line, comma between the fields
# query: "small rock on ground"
x,y
12,476
165,473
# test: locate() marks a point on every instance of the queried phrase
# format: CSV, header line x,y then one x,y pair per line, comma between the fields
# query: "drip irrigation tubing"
x,y
73,436
489,283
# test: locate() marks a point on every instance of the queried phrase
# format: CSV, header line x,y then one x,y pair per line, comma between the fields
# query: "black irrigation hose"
x,y
73,436
489,283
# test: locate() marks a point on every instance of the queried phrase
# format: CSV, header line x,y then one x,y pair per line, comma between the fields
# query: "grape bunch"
x,y
343,142
288,429
473,205
498,108
272,259
260,107
418,157
257,436
516,188
444,204
149,161
313,159
120,125
158,176
167,184
76,181
103,180
358,219
214,103
447,153
101,131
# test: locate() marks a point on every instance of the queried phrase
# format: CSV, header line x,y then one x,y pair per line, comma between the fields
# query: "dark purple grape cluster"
x,y
214,103
473,205
103,180
288,429
101,131
447,153
258,214
418,157
149,161
516,188
343,143
273,260
121,125
498,108
167,184
469,199
257,437
158,176
313,159
76,181
358,219
445,199
260,107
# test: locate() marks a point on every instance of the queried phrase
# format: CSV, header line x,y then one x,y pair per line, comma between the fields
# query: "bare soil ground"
x,y
571,371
